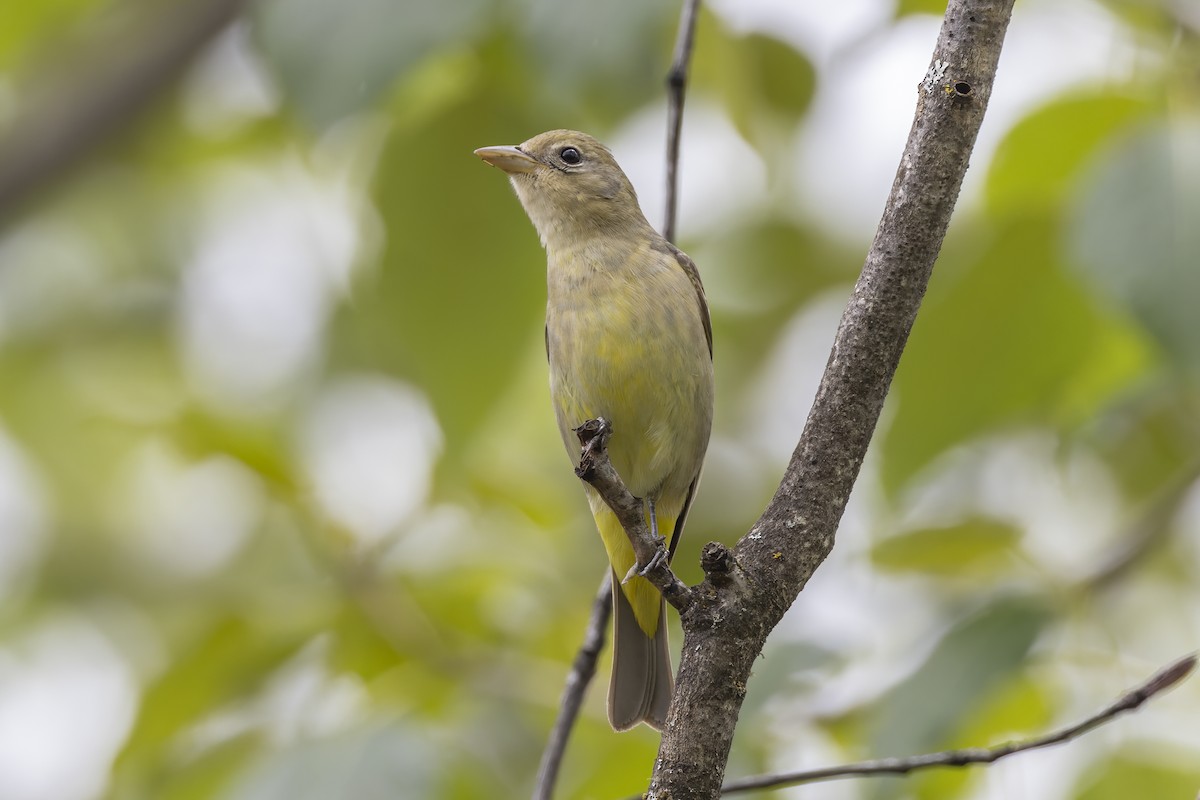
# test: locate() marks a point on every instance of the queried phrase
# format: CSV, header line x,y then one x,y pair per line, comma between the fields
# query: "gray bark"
x,y
748,589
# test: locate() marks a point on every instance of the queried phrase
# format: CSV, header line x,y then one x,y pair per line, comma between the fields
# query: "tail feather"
x,y
642,679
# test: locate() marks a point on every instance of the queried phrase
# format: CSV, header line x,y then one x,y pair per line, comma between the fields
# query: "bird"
x,y
628,339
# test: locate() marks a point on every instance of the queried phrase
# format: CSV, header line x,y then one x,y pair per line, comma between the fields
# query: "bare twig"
x,y
652,556
1164,679
70,118
676,87
582,671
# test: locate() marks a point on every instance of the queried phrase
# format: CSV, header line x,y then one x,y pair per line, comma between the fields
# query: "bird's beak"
x,y
510,159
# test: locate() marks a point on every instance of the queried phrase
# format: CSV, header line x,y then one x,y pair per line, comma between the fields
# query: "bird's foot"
x,y
639,571
660,558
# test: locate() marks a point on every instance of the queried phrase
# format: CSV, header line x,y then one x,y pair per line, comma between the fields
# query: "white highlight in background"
x,y
722,179
275,252
67,702
187,519
369,445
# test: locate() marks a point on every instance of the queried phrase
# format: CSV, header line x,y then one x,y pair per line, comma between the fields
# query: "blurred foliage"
x,y
283,513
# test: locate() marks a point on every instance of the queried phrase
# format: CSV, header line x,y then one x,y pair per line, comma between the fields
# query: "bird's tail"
x,y
642,682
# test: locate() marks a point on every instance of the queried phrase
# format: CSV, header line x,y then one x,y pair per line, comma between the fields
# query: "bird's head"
x,y
570,185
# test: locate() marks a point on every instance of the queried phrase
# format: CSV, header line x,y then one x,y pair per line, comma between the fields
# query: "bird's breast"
x,y
625,341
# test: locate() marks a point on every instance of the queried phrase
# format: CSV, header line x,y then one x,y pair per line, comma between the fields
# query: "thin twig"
x,y
653,560
1162,680
582,671
676,87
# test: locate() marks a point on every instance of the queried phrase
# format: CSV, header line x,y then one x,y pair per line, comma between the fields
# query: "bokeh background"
x,y
283,512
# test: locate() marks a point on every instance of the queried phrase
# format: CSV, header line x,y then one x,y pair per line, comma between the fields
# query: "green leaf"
x,y
1135,232
969,548
212,773
224,665
359,646
1040,158
978,655
336,58
599,764
756,76
459,298
906,7
1006,337
757,278
1015,707
1138,772
598,62
774,676
785,78
1156,24
373,763
262,446
1149,439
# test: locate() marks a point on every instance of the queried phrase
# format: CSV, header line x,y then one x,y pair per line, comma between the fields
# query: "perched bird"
x,y
628,338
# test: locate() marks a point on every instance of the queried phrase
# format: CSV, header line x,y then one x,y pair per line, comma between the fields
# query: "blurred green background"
x,y
283,512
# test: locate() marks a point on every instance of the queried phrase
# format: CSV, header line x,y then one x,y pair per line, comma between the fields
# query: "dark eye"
x,y
570,156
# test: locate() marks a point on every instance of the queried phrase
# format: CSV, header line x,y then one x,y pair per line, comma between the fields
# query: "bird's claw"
x,y
638,571
660,558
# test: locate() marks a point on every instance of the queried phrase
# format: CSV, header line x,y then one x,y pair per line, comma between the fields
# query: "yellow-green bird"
x,y
628,339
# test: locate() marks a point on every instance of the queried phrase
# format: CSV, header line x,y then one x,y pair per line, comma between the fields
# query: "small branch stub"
x,y
717,562
593,437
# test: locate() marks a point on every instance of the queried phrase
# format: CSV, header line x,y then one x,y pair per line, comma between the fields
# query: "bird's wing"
x,y
689,267
693,274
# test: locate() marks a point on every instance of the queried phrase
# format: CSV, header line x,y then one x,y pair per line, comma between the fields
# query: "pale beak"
x,y
510,159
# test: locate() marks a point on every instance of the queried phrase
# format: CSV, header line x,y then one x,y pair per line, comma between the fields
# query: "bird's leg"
x,y
660,554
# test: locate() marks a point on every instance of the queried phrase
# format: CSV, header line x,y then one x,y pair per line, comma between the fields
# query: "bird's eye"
x,y
570,156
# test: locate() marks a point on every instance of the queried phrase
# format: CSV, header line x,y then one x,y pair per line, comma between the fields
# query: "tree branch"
x,y
676,88
93,101
1162,680
652,556
582,671
728,622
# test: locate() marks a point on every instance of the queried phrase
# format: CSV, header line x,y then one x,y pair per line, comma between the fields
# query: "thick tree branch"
x,y
676,89
582,671
728,622
1133,699
104,93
